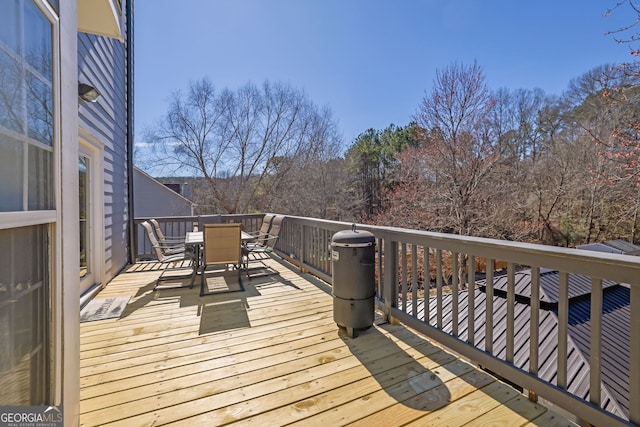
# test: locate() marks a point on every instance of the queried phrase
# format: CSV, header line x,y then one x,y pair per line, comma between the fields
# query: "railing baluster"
x,y
426,282
634,355
414,280
535,320
488,327
454,294
511,300
471,300
404,277
596,339
563,323
379,290
439,287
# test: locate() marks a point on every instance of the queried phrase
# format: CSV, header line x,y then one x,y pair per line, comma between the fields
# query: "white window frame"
x,y
93,149
51,218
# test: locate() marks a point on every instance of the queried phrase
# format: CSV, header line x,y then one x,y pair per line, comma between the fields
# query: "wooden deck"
x,y
273,356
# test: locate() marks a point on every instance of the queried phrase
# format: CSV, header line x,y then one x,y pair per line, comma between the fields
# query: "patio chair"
x,y
264,243
161,236
264,228
170,244
222,247
171,258
167,247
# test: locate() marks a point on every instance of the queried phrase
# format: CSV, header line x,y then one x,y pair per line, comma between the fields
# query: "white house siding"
x,y
102,64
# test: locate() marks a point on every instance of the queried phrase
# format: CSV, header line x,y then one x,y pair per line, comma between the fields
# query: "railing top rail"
x,y
621,268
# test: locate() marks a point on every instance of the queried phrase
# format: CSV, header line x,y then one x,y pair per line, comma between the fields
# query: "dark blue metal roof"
x,y
579,286
615,331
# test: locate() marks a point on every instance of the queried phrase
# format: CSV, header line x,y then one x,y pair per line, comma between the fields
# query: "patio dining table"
x,y
196,238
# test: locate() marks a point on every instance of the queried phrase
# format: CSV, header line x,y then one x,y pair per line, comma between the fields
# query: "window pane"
x,y
11,93
11,175
41,193
38,50
9,24
24,312
83,175
40,110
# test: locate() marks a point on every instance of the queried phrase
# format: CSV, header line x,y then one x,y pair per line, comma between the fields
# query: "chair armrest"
x,y
265,242
173,239
171,249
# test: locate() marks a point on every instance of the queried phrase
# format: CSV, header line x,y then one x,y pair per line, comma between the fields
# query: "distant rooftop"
x,y
615,330
613,247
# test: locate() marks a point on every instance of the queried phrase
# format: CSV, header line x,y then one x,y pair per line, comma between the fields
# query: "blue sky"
x,y
369,61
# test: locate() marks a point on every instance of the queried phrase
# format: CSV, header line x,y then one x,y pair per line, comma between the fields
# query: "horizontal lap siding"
x,y
102,64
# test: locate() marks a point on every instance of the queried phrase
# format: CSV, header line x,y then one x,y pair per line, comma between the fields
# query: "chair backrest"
x,y
266,223
265,228
274,232
222,244
155,245
156,227
208,219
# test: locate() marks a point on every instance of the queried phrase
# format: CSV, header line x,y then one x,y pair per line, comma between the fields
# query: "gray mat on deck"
x,y
105,308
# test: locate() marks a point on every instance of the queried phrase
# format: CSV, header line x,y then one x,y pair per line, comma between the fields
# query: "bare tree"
x,y
459,152
461,149
237,140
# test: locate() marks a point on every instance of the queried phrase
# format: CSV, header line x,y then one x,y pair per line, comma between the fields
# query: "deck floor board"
x,y
272,355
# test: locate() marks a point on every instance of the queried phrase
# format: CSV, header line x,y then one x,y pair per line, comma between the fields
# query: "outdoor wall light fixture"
x,y
88,93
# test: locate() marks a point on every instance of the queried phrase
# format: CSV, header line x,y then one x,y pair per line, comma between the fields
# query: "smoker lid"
x,y
353,238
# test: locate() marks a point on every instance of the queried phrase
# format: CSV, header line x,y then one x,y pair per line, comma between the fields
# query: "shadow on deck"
x,y
272,355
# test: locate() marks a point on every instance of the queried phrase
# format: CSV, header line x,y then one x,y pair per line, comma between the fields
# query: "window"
x,y
24,336
27,200
26,108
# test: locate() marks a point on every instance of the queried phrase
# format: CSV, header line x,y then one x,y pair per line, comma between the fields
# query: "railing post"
x,y
390,276
426,280
595,366
511,300
134,250
414,280
534,327
471,301
380,289
439,288
404,286
455,306
563,326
